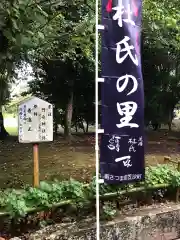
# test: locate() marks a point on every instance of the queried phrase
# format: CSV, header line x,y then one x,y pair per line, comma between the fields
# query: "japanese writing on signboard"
x,y
122,145
35,121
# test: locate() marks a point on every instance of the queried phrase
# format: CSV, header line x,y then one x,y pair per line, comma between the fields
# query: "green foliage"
x,y
18,202
71,189
14,203
61,34
162,174
109,211
160,54
22,26
160,23
36,197
64,63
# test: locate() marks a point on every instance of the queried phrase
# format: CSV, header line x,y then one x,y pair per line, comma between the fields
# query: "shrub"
x,y
17,202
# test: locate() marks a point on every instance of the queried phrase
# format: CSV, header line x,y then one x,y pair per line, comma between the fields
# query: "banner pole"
x,y
97,126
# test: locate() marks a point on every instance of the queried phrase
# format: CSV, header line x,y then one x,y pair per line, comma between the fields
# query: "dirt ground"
x,y
58,160
161,143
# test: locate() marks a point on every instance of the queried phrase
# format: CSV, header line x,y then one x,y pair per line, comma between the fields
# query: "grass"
x,y
13,131
10,122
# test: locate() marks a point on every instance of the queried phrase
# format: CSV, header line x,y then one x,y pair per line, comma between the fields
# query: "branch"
x,y
43,2
50,20
85,2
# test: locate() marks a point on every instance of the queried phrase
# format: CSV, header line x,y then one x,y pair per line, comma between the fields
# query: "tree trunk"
x,y
155,126
87,126
170,120
55,122
68,118
169,126
55,128
82,126
76,122
76,126
3,132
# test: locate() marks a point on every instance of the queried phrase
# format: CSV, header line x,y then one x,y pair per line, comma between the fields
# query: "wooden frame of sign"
x,y
35,125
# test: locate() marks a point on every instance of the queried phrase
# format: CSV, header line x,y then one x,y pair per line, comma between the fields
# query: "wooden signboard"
x,y
35,125
35,121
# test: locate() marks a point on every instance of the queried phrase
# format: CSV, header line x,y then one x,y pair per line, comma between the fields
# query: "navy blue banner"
x,y
122,144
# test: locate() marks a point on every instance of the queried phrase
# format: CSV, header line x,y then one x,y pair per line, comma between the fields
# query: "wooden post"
x,y
178,189
36,164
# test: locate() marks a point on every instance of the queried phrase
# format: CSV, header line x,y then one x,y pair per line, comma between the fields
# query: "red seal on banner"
x,y
109,6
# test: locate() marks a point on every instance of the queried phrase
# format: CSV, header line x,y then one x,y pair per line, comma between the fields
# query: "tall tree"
x,y
18,21
64,53
160,48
